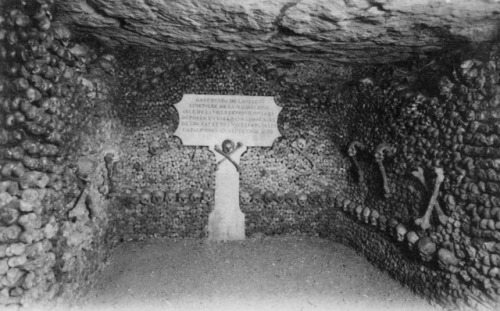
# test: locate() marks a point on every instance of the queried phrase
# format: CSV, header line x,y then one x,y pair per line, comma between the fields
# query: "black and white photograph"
x,y
249,155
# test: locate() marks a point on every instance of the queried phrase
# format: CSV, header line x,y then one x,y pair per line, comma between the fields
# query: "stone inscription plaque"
x,y
210,120
207,120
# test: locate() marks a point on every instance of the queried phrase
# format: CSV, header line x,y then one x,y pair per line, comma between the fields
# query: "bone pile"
x,y
400,162
153,160
48,214
443,173
279,213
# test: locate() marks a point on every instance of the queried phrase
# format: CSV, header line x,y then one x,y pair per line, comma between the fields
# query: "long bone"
x,y
227,156
301,153
352,150
424,221
194,153
80,210
111,162
238,146
380,153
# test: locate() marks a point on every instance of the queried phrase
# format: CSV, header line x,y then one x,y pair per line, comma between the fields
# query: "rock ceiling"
x,y
333,30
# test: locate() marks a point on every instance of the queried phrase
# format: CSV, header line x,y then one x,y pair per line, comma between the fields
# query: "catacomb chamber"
x,y
397,157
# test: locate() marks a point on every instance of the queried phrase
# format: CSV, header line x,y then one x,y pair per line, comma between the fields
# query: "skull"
x,y
351,208
374,215
447,260
391,224
401,232
351,151
154,147
468,69
411,239
145,198
301,143
302,199
158,196
323,198
171,197
426,248
227,146
291,198
359,212
338,201
345,205
208,195
195,196
245,197
184,197
365,84
134,198
280,197
177,141
137,166
257,197
445,86
382,223
313,198
268,196
366,215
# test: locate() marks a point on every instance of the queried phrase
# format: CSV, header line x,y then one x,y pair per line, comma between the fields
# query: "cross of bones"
x,y
228,155
301,152
424,221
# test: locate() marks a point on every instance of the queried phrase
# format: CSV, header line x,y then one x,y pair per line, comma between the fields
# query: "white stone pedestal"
x,y
227,222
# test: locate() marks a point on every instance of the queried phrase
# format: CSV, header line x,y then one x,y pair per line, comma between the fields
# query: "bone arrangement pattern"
x,y
87,149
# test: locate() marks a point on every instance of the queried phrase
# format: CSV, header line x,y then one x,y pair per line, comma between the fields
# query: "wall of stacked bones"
x,y
55,132
399,161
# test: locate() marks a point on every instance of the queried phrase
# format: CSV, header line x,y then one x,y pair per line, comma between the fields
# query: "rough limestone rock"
x,y
338,30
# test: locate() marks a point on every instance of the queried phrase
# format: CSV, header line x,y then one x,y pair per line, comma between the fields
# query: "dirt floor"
x,y
285,273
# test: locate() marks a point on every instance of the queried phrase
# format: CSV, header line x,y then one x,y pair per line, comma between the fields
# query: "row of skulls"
x,y
207,196
171,197
424,245
280,197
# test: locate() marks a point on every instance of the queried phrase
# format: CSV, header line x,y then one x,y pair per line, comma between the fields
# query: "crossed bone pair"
x,y
301,152
228,155
424,221
381,151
